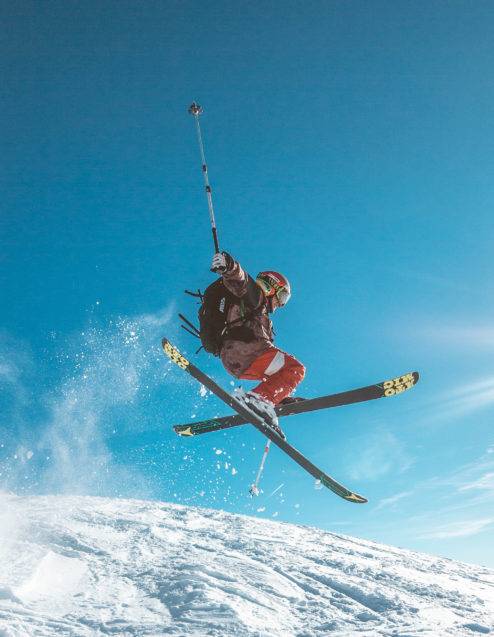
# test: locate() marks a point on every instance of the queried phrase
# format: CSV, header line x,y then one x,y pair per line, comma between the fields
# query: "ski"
x,y
174,355
384,389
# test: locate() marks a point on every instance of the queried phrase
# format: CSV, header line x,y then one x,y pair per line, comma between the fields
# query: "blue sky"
x,y
349,146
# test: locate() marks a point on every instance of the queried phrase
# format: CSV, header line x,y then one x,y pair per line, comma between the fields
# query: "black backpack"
x,y
213,326
216,302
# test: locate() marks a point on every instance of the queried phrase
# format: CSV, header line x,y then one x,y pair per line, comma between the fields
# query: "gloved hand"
x,y
222,262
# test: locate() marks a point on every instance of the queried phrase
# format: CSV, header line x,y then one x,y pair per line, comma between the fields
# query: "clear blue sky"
x,y
350,147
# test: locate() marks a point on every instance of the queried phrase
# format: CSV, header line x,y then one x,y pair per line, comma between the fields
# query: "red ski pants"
x,y
279,372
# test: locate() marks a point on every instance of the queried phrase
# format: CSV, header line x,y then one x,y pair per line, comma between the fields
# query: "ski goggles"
x,y
283,295
273,287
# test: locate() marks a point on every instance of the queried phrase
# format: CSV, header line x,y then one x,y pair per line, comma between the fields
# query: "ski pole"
x,y
196,110
254,489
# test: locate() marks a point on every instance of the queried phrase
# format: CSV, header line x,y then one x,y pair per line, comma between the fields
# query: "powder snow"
x,y
86,566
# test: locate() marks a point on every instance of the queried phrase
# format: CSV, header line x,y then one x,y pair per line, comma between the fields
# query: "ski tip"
x,y
400,384
186,431
355,497
342,491
165,342
174,354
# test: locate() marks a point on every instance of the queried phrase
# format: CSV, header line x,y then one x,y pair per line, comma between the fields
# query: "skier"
x,y
247,350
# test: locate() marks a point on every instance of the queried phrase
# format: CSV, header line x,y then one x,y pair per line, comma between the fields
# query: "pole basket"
x,y
195,109
254,491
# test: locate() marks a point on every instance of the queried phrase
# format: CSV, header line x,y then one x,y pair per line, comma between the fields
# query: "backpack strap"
x,y
244,318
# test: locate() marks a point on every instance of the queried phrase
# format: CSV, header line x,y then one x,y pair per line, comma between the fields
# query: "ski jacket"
x,y
238,355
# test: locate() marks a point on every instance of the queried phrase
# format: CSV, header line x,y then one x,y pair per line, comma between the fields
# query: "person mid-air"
x,y
247,350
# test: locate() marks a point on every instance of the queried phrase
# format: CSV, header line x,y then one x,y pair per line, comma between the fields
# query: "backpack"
x,y
213,326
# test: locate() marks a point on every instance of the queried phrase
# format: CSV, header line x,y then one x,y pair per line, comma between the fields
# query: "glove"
x,y
222,262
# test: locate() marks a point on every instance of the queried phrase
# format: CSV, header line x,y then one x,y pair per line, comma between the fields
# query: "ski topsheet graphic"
x,y
173,353
383,389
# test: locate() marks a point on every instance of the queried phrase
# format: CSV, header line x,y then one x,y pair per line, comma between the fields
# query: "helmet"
x,y
274,284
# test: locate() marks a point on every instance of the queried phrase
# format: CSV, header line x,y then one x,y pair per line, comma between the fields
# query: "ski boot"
x,y
261,407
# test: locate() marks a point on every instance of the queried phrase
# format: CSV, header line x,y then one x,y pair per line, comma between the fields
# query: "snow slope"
x,y
95,566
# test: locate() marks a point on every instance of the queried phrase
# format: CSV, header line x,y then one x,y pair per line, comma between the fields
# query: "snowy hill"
x,y
94,566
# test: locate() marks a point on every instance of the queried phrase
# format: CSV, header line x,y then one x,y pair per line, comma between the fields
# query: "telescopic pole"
x,y
196,110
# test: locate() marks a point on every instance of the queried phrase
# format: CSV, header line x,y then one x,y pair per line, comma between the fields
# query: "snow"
x,y
84,566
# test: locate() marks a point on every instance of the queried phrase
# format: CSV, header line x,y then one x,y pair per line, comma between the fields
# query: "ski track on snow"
x,y
83,566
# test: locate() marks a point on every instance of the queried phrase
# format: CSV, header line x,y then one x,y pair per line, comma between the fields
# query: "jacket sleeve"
x,y
243,286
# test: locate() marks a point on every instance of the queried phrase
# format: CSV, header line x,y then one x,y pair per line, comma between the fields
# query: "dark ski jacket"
x,y
238,355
